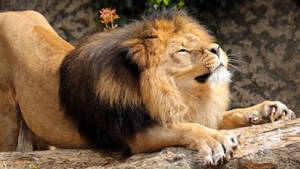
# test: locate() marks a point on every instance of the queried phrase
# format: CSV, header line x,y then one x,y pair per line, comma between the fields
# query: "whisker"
x,y
235,67
237,61
234,54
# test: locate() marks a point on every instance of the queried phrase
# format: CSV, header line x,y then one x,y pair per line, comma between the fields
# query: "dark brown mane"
x,y
101,58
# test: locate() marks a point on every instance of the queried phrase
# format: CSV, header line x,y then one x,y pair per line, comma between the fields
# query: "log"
x,y
274,145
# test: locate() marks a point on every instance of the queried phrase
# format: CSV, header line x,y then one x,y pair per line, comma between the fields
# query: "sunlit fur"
x,y
141,78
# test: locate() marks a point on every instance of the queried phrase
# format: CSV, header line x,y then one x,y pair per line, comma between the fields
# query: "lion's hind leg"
x,y
9,121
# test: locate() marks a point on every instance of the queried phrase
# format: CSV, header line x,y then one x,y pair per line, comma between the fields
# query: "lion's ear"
x,y
136,53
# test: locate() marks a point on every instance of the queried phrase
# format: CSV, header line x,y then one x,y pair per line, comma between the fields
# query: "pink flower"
x,y
107,17
105,13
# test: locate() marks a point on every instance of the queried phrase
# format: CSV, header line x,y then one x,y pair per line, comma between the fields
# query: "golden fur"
x,y
176,77
165,72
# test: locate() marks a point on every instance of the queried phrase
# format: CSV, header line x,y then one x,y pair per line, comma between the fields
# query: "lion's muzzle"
x,y
203,78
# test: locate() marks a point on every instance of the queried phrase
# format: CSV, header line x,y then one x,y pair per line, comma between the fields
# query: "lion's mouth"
x,y
203,78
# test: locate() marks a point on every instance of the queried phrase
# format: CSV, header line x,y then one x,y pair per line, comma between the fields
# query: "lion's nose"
x,y
215,49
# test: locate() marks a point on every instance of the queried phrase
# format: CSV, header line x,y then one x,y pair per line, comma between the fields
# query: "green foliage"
x,y
153,5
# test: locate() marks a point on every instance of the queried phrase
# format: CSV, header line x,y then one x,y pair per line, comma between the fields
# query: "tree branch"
x,y
274,145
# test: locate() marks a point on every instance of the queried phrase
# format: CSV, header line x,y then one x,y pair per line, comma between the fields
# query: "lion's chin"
x,y
220,76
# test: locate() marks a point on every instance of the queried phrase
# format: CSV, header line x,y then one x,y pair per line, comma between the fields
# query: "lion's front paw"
x,y
216,147
275,110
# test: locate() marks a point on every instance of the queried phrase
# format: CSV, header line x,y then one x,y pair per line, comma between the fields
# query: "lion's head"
x,y
165,68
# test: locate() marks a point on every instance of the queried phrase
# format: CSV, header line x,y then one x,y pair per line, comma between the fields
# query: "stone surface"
x,y
263,34
274,145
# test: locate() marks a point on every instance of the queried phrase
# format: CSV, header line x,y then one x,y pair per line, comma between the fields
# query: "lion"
x,y
154,83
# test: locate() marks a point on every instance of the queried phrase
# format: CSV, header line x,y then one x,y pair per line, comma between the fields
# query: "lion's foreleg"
x,y
267,111
212,145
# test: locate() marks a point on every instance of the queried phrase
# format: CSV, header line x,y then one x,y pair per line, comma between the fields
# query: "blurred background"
x,y
262,35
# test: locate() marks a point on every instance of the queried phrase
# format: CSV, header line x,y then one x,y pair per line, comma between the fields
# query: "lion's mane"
x,y
100,82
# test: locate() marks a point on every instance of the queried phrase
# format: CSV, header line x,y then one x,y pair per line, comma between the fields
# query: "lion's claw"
x,y
275,110
221,150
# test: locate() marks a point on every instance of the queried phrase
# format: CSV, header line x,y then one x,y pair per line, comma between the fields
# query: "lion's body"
x,y
119,96
151,84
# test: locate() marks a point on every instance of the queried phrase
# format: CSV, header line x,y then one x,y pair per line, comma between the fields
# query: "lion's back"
x,y
27,41
24,30
20,21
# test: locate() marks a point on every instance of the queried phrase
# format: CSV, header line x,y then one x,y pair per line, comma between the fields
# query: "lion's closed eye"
x,y
183,51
